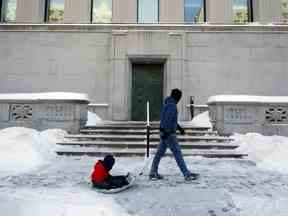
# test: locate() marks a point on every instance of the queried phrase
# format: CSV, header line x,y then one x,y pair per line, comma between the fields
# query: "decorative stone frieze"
x,y
276,115
66,112
59,112
20,112
238,114
244,114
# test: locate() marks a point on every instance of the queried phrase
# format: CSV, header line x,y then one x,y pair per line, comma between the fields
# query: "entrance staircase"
x,y
124,139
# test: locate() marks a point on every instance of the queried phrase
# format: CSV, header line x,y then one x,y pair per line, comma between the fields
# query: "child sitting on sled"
x,y
102,179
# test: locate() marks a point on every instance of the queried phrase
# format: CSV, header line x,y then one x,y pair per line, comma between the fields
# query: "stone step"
x,y
141,132
137,145
133,122
138,127
141,152
153,123
142,138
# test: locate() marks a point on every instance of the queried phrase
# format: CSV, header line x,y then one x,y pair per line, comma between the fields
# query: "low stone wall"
x,y
65,113
198,109
244,114
100,109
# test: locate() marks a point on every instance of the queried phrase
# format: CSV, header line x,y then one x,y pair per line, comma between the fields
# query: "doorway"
x,y
147,85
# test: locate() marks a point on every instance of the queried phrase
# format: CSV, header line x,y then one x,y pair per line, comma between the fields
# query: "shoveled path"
x,y
226,187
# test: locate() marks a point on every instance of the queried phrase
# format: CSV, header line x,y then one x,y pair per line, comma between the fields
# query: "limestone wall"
x,y
55,61
201,60
236,63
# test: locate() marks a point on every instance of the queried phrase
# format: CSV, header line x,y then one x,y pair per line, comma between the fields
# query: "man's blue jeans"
x,y
171,142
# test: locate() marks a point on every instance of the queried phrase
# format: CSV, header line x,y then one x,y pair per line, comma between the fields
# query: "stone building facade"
x,y
122,64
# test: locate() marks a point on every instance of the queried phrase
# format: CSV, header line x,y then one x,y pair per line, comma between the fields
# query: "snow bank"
x,y
266,151
93,119
23,149
45,96
59,202
201,120
248,98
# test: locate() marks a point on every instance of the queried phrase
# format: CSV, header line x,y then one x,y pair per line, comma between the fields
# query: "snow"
x,y
45,96
58,185
60,202
23,149
201,120
248,99
269,152
93,119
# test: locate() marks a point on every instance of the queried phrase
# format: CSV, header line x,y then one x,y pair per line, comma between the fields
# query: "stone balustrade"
x,y
100,109
67,111
195,110
243,114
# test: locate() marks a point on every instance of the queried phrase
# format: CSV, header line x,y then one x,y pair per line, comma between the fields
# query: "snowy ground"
x,y
59,186
226,187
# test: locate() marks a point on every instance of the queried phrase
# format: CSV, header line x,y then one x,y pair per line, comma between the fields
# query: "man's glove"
x,y
181,130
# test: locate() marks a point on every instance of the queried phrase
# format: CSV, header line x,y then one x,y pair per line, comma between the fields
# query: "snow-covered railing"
x,y
63,110
101,109
194,109
246,113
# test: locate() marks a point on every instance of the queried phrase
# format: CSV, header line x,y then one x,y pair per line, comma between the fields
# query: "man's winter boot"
x,y
156,176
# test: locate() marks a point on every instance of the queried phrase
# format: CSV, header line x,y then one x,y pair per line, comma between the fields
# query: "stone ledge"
x,y
109,28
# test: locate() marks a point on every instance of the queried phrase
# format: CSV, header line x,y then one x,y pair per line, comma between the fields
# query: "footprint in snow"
x,y
211,213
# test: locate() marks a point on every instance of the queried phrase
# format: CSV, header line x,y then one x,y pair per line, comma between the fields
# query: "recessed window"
x,y
55,11
194,11
9,10
241,11
102,11
0,10
148,11
285,11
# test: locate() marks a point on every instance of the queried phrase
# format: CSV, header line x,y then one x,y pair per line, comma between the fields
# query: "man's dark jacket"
x,y
168,121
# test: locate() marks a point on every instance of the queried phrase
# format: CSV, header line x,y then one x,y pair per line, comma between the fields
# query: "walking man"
x,y
168,127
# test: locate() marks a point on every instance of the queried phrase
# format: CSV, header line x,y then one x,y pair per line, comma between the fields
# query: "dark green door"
x,y
147,85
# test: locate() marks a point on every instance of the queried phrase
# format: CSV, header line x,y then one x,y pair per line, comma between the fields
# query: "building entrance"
x,y
147,85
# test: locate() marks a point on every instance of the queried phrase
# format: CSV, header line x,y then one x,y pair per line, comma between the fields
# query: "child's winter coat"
x,y
100,173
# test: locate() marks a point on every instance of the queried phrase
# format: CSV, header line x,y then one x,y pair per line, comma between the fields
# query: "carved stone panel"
x,y
58,112
238,114
20,112
4,112
276,115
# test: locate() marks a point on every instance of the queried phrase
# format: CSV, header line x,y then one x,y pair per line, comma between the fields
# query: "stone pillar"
x,y
124,11
219,11
171,11
175,72
118,109
267,11
32,12
77,11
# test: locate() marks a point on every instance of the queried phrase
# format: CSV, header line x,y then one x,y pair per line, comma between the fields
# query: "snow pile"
x,y
59,202
93,119
248,99
266,151
23,149
45,96
201,120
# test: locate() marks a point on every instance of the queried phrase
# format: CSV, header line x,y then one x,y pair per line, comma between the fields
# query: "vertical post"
x,y
192,106
148,130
